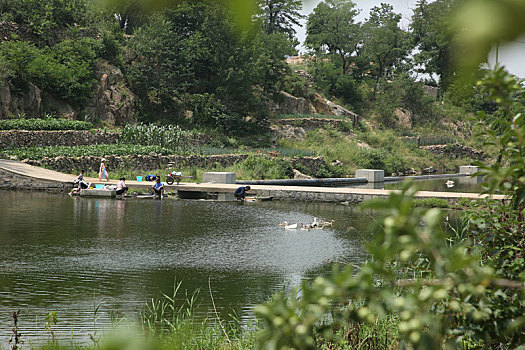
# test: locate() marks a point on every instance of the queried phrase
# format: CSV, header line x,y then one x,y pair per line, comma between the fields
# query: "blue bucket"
x,y
99,187
139,178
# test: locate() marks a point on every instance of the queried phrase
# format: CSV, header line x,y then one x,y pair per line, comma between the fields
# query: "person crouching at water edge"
x,y
158,187
80,181
103,173
121,186
240,193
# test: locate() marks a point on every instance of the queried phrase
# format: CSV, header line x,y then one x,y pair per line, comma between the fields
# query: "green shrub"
x,y
265,167
431,203
65,69
44,124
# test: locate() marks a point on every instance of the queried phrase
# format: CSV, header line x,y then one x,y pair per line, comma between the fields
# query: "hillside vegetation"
x,y
201,65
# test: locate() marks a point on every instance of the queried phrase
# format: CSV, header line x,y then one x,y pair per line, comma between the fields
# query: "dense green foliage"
x,y
65,69
463,291
44,124
37,153
167,137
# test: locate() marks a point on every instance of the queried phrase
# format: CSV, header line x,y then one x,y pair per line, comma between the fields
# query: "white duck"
x,y
291,227
449,183
315,223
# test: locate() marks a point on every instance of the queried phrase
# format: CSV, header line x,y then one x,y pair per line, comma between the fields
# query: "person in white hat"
x,y
103,173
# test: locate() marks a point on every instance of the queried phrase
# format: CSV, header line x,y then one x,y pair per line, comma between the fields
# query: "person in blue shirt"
x,y
240,193
158,187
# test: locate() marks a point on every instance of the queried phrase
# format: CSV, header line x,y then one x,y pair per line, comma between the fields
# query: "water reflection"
x,y
68,254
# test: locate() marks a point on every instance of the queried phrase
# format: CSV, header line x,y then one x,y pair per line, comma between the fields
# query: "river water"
x,y
92,259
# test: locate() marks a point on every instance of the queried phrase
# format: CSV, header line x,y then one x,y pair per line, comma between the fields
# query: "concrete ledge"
x,y
98,193
372,175
218,177
468,169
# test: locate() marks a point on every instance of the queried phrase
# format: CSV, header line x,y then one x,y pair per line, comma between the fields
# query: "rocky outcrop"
x,y
285,131
288,104
299,175
324,106
29,103
112,102
404,117
456,151
25,138
296,128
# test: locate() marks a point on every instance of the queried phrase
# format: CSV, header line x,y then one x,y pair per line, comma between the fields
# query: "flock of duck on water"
x,y
305,227
324,224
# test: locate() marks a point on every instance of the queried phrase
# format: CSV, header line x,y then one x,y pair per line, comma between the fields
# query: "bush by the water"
x,y
44,124
264,167
431,203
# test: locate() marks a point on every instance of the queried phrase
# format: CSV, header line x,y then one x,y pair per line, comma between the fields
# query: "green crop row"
x,y
44,124
166,136
77,151
130,149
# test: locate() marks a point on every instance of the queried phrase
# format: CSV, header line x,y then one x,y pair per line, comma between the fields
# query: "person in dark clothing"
x,y
121,186
240,193
80,181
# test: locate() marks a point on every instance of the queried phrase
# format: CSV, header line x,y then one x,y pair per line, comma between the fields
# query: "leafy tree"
x,y
44,16
65,69
331,28
280,16
433,39
129,13
328,79
385,45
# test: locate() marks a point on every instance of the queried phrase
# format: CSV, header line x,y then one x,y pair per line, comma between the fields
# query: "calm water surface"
x,y
74,254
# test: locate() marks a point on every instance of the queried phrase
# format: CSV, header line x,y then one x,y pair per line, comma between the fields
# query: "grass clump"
x,y
431,203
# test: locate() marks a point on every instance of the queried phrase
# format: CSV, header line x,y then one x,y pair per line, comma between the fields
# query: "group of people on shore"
x,y
157,187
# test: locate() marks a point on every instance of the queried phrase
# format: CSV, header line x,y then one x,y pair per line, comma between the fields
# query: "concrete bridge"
x,y
16,175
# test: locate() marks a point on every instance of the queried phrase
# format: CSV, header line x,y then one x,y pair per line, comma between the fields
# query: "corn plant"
x,y
167,136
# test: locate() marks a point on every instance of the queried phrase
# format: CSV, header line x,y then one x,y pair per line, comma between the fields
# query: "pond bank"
x,y
16,175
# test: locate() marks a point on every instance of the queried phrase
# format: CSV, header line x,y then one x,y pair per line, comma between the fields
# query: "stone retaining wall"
x,y
11,181
312,196
146,163
309,123
456,151
39,138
